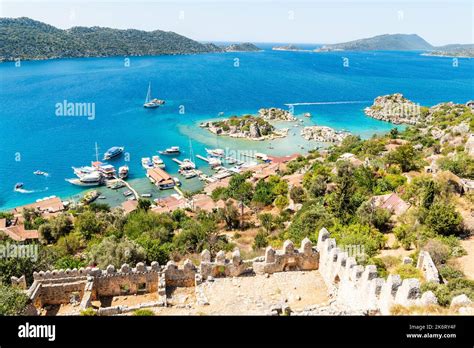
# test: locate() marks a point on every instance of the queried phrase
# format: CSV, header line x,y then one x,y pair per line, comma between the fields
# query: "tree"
x,y
12,301
230,215
297,194
281,202
266,219
406,235
263,195
115,251
89,224
405,156
144,204
369,214
443,218
260,240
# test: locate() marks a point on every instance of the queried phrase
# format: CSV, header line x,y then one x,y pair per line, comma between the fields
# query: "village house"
x,y
391,202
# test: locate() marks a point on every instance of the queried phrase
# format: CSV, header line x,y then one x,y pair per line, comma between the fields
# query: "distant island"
x,y
25,38
387,42
289,47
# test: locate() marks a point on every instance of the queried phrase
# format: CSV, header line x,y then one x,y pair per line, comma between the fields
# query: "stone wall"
x,y
221,267
288,259
359,288
427,266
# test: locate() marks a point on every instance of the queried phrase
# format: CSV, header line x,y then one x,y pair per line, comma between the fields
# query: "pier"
x,y
135,193
177,161
203,158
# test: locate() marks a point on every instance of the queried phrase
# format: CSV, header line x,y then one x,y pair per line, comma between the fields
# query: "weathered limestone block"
x,y
205,256
288,259
180,277
408,292
221,267
427,266
19,282
461,300
140,267
428,298
407,260
110,269
125,268
155,266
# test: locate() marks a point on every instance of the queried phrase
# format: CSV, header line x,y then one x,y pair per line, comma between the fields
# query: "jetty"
x,y
201,158
135,193
177,161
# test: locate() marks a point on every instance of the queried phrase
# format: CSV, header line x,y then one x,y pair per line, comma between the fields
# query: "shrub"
x,y
12,301
260,240
443,219
143,313
449,272
407,271
88,312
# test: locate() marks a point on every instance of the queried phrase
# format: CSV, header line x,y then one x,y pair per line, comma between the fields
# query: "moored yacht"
x,y
173,150
91,179
147,163
123,172
113,152
215,152
158,162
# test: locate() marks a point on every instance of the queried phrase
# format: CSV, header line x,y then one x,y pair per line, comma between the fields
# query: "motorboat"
x,y
123,172
158,162
173,150
113,152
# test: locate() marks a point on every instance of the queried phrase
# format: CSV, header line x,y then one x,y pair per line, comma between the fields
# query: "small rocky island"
x,y
323,134
242,47
396,109
248,127
289,47
276,114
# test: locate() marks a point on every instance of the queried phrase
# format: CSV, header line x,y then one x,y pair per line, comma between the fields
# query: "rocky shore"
x,y
323,134
247,127
276,114
396,109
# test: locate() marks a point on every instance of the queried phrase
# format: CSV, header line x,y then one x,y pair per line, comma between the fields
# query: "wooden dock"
x,y
135,193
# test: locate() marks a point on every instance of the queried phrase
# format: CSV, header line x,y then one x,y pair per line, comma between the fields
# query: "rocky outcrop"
x,y
394,108
323,134
248,127
276,114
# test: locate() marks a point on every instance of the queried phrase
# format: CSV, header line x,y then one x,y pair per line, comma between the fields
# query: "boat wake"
x,y
331,103
20,190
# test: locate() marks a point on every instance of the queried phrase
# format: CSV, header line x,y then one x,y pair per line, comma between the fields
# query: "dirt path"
x,y
466,262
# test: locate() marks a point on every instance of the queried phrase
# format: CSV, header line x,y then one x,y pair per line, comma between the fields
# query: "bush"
x,y
143,313
439,252
443,219
12,301
88,312
407,271
449,272
260,241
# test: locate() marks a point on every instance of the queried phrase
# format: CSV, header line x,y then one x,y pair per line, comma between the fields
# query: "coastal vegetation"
x,y
24,38
390,196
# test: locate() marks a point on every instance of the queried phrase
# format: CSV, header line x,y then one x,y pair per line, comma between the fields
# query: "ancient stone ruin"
x,y
352,286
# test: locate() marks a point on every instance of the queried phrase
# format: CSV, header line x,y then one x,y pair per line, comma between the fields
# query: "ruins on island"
x,y
330,279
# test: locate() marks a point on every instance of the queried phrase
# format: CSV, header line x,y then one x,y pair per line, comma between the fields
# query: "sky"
x,y
302,21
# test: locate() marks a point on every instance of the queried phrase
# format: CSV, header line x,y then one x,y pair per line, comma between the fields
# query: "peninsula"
x,y
25,38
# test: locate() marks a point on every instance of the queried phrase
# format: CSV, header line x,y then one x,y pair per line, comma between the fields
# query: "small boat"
x,y
113,152
107,170
117,185
90,196
39,172
214,162
152,103
173,150
102,197
188,174
158,162
307,114
128,193
123,172
19,185
220,113
147,163
146,195
215,152
177,181
81,171
187,164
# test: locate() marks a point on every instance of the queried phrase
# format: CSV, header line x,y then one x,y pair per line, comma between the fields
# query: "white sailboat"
x,y
152,103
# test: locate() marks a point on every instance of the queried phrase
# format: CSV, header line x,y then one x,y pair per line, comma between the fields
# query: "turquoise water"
x,y
32,137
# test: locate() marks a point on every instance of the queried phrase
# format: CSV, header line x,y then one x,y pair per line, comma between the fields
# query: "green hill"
x,y
26,38
386,42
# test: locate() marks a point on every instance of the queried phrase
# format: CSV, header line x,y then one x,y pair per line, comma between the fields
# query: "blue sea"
x,y
195,87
